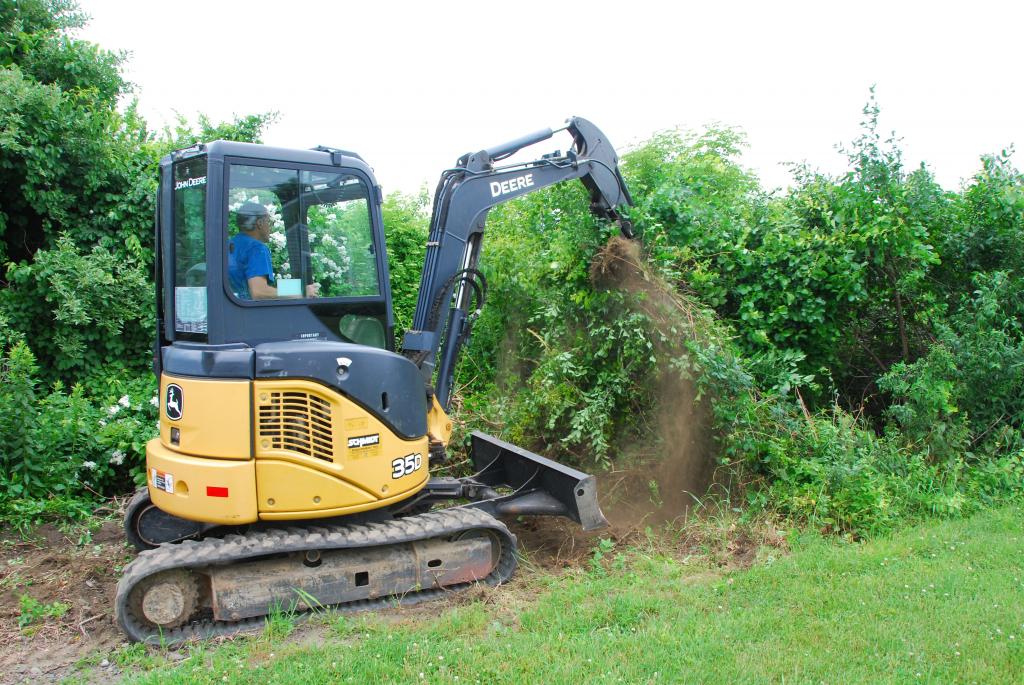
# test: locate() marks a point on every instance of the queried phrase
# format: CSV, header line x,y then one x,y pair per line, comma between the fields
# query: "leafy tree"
x,y
78,181
406,222
58,97
832,277
984,232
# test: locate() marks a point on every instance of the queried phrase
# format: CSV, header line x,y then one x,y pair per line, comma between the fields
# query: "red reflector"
x,y
212,491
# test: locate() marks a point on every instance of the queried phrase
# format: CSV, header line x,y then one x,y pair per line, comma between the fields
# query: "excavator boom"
x,y
464,195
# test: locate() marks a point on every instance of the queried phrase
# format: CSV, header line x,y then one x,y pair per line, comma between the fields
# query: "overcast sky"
x,y
413,85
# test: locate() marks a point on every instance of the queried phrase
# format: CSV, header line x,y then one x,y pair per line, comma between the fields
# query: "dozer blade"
x,y
539,486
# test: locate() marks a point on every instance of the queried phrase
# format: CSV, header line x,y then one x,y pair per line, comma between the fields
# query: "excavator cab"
x,y
325,229
295,445
287,406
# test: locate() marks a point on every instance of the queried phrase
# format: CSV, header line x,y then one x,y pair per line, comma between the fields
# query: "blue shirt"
x,y
247,258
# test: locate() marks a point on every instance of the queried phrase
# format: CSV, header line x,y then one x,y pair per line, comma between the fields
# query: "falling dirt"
x,y
665,475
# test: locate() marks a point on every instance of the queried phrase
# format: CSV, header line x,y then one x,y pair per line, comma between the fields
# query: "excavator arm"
x,y
452,290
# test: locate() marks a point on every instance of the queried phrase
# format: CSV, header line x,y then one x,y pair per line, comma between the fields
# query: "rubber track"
x,y
193,554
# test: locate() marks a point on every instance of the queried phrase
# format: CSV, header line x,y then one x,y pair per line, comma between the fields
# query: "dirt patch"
x,y
54,570
742,552
554,544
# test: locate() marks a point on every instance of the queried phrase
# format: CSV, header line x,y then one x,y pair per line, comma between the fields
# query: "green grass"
x,y
940,603
34,611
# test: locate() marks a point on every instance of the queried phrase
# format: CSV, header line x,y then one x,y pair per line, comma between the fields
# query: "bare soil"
x,y
50,567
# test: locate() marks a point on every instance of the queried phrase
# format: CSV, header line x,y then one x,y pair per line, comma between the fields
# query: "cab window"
x,y
189,213
342,259
317,230
262,205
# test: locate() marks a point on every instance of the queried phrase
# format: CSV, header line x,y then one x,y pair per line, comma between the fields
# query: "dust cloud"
x,y
660,478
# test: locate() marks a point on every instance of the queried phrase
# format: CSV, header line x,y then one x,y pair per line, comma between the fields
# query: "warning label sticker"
x,y
162,481
359,423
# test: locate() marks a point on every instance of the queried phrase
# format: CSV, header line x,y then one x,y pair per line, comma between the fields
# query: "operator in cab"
x,y
250,270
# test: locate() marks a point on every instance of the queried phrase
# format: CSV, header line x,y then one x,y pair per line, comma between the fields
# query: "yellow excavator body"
x,y
278,450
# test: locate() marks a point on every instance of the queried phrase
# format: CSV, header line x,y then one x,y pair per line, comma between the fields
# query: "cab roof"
x,y
321,155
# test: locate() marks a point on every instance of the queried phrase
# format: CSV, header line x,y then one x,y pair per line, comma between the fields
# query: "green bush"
x,y
563,358
84,310
406,222
966,395
65,446
24,470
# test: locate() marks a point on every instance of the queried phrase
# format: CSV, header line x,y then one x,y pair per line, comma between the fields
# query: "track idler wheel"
x,y
146,526
165,600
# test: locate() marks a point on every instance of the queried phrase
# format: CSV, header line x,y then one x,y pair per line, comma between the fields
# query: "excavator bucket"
x,y
529,484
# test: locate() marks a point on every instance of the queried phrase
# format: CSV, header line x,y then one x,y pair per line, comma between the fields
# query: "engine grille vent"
x,y
297,421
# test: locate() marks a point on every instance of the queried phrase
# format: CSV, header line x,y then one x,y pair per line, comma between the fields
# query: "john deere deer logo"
x,y
175,403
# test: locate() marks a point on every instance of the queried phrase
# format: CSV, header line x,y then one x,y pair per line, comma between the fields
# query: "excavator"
x,y
293,464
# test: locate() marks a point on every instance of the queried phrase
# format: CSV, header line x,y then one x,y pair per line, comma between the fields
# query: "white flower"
x,y
91,465
125,402
117,458
275,216
278,239
103,422
155,401
328,240
113,409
